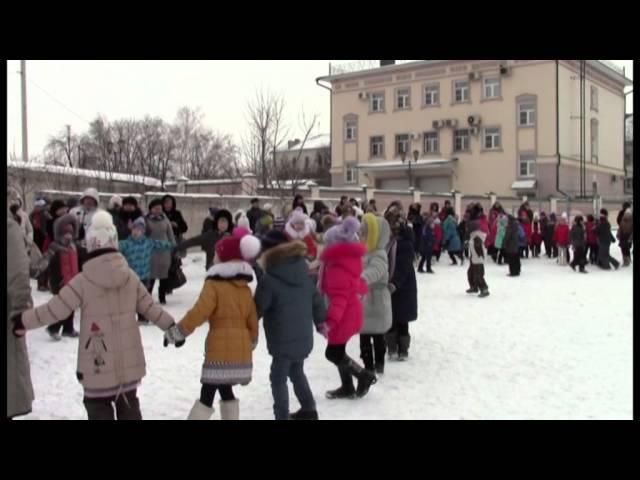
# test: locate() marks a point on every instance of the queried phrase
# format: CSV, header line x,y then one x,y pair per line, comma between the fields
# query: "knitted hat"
x,y
55,206
130,201
39,203
102,233
266,220
267,207
154,203
345,232
243,222
115,200
90,193
370,229
297,216
235,248
273,239
140,224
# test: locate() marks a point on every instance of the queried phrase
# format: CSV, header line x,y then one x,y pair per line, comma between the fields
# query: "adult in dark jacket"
x,y
39,219
219,227
298,201
605,238
511,247
549,229
319,211
464,233
178,224
128,214
625,206
403,287
415,218
578,238
115,205
290,305
625,237
525,209
254,213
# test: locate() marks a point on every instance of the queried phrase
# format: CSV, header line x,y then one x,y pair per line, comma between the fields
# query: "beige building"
x,y
311,160
511,127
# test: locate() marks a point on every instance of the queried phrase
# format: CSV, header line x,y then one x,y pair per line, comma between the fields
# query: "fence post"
x,y
417,196
553,205
457,202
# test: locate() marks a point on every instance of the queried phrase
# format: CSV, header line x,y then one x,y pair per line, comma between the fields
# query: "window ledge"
x,y
489,150
432,154
353,140
435,105
527,126
462,151
373,112
492,99
406,109
461,103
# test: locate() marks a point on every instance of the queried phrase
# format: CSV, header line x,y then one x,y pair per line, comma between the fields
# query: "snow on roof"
x,y
313,143
80,172
291,183
523,185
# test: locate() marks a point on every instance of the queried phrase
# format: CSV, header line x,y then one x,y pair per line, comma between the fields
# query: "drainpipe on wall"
x,y
564,194
330,120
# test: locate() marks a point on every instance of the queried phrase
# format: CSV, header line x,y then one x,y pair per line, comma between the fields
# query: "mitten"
x,y
323,329
18,326
174,335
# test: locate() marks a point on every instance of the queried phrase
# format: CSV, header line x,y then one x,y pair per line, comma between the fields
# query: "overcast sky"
x,y
76,91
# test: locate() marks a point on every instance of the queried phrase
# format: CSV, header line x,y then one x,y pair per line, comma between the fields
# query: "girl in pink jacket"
x,y
341,282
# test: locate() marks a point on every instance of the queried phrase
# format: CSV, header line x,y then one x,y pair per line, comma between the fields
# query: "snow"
x,y
313,143
121,177
551,344
523,184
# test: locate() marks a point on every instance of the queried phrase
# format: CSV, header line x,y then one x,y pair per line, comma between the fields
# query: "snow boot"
x,y
367,358
200,411
392,344
626,261
403,347
430,271
472,290
365,377
346,390
230,409
380,367
71,334
55,336
304,415
484,293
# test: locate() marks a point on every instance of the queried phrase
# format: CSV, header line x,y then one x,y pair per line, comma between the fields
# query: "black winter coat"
x,y
121,226
577,236
510,243
254,214
404,299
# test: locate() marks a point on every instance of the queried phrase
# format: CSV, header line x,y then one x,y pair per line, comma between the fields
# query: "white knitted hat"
x,y
102,233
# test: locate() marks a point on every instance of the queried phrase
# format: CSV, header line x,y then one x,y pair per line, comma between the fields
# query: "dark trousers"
x,y
281,369
466,249
626,250
524,252
514,263
398,337
592,253
208,392
209,260
336,353
43,280
425,258
65,325
551,249
162,288
372,350
437,255
453,255
127,407
535,250
579,258
501,256
475,276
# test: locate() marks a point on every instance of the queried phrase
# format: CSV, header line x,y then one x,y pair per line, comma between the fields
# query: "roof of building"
x,y
81,172
322,140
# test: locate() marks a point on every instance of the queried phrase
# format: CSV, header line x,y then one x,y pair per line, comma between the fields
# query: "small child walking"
x,y
290,305
592,239
426,244
475,274
561,239
578,242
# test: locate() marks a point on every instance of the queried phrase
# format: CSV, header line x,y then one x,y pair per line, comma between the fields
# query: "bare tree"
x,y
62,149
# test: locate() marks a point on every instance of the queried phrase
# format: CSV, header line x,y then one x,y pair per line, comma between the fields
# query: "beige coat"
x,y
19,388
109,294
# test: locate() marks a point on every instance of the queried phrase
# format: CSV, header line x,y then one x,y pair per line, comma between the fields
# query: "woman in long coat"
x,y
159,229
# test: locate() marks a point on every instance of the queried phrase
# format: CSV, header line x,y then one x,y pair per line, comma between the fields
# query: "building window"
x,y
527,165
526,114
491,138
377,102
431,95
628,184
306,163
350,130
461,140
491,87
319,161
594,140
431,143
377,146
402,144
461,91
594,98
350,173
402,98
294,162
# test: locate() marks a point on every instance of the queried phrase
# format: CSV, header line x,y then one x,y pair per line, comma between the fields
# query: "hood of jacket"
x,y
60,224
106,268
286,263
222,213
173,202
347,255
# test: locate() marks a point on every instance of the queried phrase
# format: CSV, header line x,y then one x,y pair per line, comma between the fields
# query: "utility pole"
x,y
23,75
69,145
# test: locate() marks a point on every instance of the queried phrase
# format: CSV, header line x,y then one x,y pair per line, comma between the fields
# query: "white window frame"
x,y
530,160
377,98
457,135
430,139
495,134
350,171
463,86
523,107
494,88
380,154
433,93
594,98
408,143
595,140
403,93
350,130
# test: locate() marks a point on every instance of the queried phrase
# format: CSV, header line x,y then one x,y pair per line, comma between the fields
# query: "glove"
x,y
174,336
392,288
323,329
18,326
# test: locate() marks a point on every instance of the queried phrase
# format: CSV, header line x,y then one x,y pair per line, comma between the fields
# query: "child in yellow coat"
x,y
226,302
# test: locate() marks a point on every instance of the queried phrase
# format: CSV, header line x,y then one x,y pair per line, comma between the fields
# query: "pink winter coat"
x,y
341,282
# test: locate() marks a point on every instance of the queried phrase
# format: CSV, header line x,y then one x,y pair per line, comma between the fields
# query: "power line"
x,y
58,102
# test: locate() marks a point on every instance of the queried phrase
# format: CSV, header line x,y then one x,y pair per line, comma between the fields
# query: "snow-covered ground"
x,y
552,344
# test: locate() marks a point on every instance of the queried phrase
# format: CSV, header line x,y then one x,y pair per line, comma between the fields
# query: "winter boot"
x,y
430,271
473,290
71,334
392,344
199,411
403,347
380,366
367,359
484,293
365,377
304,415
230,409
55,336
346,390
626,261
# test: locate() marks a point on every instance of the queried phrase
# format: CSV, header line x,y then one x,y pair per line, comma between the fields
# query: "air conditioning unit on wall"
x,y
438,124
474,76
474,119
363,95
505,69
613,179
451,122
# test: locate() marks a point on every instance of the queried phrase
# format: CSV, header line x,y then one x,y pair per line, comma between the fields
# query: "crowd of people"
x,y
343,272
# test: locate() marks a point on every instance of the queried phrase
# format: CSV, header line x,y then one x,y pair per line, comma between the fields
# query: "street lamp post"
x,y
416,154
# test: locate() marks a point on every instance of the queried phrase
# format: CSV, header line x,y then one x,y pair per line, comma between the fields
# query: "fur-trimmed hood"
x,y
60,224
274,255
238,272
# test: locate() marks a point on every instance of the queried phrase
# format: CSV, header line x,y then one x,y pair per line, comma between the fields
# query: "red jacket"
x,y
341,282
526,226
591,234
561,235
437,233
536,236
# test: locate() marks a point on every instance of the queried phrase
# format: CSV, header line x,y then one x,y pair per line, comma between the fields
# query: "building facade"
x,y
309,160
517,127
628,154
